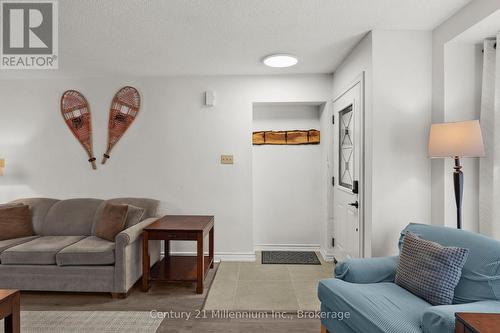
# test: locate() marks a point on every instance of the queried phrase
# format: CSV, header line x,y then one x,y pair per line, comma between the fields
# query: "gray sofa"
x,y
65,255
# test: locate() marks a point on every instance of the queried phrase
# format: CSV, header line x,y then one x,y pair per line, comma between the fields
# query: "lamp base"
x,y
458,184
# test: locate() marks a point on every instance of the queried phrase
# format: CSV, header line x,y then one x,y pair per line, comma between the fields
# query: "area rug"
x,y
290,257
86,322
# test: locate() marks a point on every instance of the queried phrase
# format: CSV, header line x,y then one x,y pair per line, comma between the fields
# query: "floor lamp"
x,y
456,140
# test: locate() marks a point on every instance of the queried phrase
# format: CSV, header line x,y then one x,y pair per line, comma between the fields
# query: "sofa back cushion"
x,y
480,278
73,217
39,208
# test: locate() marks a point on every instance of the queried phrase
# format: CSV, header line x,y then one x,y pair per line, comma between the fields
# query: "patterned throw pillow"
x,y
429,270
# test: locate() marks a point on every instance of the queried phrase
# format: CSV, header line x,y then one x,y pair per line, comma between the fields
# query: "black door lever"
x,y
355,187
354,204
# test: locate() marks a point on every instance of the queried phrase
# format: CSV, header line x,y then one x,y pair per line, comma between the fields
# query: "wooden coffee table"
x,y
10,303
477,322
179,268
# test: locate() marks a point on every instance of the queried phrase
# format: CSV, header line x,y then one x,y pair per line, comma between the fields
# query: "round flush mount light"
x,y
280,60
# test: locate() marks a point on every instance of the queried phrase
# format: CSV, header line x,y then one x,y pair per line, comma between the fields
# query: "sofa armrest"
x,y
369,270
129,235
128,252
441,318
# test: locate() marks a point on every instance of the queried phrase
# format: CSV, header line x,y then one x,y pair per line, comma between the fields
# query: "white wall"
x,y
462,101
172,151
287,181
397,67
467,17
402,64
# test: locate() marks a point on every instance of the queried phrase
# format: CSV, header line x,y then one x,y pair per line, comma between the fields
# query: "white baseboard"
x,y
287,247
340,255
327,256
230,256
221,256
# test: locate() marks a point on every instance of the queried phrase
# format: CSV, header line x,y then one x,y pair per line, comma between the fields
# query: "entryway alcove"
x,y
288,200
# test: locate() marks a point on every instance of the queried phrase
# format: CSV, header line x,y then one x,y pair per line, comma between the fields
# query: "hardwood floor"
x,y
241,326
178,297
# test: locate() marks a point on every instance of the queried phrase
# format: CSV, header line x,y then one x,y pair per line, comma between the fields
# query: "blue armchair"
x,y
364,298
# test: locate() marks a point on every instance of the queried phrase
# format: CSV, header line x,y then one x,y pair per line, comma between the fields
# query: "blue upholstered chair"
x,y
364,298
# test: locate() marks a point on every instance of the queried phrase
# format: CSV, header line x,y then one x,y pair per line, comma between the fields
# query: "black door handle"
x,y
355,187
354,204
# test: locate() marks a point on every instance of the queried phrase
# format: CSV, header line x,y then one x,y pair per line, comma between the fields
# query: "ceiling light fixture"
x,y
280,60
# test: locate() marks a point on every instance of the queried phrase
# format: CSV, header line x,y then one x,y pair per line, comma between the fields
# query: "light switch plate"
x,y
226,159
209,98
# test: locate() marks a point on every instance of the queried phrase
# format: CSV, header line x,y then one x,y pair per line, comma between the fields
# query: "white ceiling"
x,y
489,27
205,37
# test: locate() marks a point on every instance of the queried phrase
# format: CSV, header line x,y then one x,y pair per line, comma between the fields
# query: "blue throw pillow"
x,y
429,270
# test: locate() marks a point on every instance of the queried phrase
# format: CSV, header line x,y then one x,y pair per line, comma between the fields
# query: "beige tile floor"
x,y
255,287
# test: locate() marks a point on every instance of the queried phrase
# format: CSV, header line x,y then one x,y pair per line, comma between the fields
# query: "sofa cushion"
x,y
367,270
150,207
336,325
374,307
8,243
134,216
112,221
441,318
90,251
11,204
39,251
480,280
39,208
15,222
429,270
73,217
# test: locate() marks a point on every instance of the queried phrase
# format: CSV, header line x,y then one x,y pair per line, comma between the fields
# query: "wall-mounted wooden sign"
x,y
297,137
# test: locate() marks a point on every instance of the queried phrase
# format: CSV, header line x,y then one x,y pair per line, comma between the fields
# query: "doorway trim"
x,y
362,189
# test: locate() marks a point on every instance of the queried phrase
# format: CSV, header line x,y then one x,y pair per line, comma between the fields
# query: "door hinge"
x,y
333,242
333,119
333,181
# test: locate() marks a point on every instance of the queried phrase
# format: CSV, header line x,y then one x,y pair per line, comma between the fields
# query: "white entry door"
x,y
347,171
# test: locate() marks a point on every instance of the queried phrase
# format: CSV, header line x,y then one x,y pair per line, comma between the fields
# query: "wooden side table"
x,y
179,268
477,322
10,310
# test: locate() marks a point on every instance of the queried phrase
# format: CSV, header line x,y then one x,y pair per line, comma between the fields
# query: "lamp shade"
x,y
2,165
459,139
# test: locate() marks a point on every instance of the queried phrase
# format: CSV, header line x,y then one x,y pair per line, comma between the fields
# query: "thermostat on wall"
x,y
209,98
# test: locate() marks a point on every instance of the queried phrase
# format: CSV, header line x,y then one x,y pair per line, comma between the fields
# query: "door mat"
x,y
290,257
